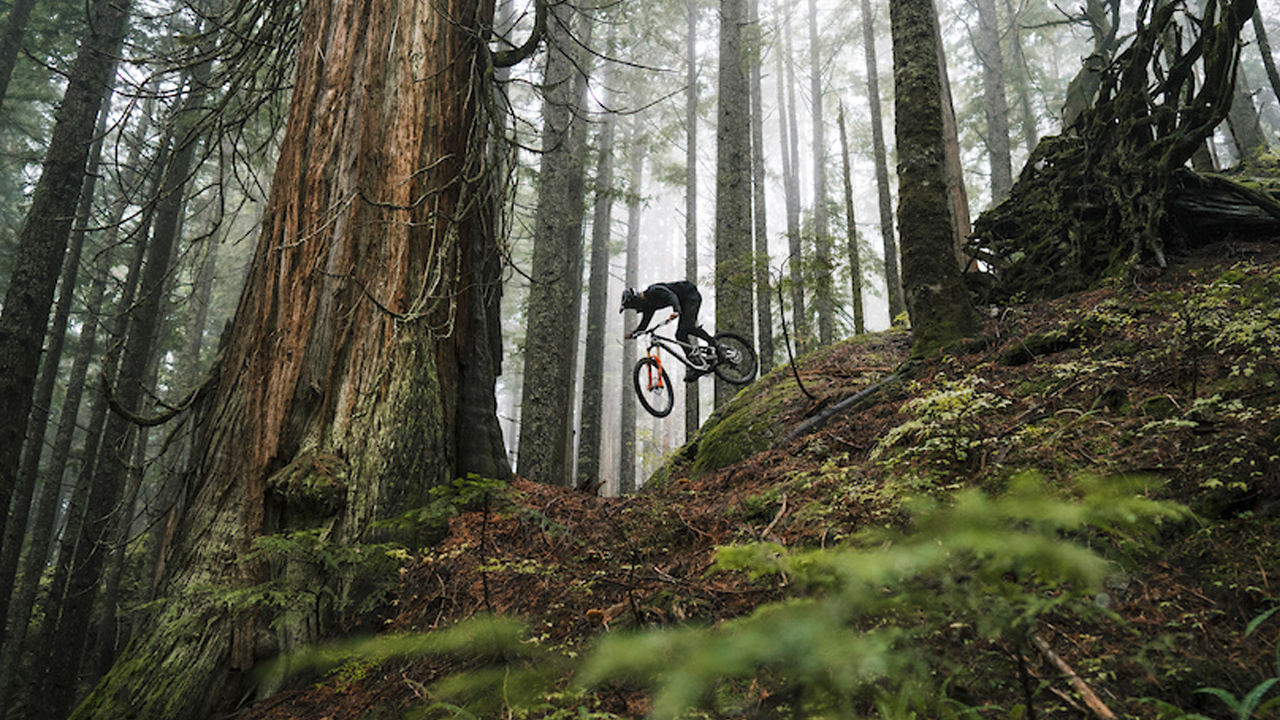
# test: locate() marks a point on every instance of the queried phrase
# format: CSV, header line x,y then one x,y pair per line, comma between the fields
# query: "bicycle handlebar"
x,y
654,329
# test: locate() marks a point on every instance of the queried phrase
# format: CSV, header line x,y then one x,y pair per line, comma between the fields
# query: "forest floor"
x,y
1171,374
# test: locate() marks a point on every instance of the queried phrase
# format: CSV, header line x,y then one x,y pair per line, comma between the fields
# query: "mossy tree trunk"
x,y
336,402
551,335
937,301
1095,201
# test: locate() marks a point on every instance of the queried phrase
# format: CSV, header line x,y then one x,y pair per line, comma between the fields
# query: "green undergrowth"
x,y
864,626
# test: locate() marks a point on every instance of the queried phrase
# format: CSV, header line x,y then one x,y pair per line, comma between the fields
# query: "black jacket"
x,y
681,295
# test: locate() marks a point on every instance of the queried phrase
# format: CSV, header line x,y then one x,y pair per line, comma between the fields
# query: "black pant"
x,y
689,320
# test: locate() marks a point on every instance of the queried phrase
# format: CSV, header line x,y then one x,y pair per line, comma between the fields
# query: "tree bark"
x,y
336,400
958,194
43,240
994,104
892,276
692,400
734,273
16,527
551,337
855,262
591,416
937,301
764,297
822,287
789,136
11,41
636,152
1268,60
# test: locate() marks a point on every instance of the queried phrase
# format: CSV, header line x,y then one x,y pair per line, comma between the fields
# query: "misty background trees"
x,y
636,144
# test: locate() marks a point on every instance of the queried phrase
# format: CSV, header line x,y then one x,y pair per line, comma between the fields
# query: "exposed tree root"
x,y
1113,193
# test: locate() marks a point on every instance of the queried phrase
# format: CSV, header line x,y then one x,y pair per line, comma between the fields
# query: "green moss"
x,y
313,484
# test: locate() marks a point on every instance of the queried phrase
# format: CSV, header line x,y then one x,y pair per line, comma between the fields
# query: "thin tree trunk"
x,y
552,331
1030,127
51,604
1246,128
43,241
789,136
855,263
994,104
627,473
11,42
764,298
1268,60
105,512
734,269
955,167
692,399
892,277
591,416
823,287
16,527
936,298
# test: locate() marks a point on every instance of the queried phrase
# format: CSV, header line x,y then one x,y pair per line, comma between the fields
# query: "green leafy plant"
x,y
862,624
472,492
1251,704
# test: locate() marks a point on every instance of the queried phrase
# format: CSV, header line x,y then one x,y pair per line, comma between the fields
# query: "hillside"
x,y
1173,376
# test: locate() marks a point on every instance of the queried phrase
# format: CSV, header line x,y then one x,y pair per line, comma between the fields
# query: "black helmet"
x,y
629,298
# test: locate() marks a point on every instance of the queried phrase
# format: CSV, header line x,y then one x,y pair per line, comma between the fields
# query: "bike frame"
x,y
671,345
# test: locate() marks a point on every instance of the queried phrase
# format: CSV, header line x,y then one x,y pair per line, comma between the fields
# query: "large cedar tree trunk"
x,y
336,402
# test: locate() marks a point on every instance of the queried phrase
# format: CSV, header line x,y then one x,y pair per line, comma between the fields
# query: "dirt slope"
x,y
1174,375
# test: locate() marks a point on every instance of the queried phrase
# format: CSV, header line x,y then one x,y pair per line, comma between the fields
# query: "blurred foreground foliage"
x,y
863,629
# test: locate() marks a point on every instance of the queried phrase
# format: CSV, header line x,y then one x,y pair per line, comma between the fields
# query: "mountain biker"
x,y
680,295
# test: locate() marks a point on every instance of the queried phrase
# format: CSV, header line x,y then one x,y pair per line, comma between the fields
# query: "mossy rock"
x,y
752,421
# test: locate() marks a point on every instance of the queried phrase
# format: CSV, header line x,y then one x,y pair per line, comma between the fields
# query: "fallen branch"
x,y
768,531
821,418
1090,698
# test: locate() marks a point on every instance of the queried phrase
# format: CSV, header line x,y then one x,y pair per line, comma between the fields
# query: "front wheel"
x,y
653,387
736,362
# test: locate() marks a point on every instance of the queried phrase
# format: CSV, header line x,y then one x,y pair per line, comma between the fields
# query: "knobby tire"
x,y
738,362
653,387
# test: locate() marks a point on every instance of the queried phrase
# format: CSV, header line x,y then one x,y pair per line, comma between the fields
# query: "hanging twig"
x,y
782,313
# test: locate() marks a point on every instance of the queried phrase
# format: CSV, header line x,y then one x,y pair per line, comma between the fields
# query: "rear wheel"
x,y
737,359
653,387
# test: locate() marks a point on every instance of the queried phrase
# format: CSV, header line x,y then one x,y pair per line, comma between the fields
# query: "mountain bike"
x,y
732,359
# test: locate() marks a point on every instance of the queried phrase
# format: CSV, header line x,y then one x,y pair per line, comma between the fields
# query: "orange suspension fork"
x,y
655,382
